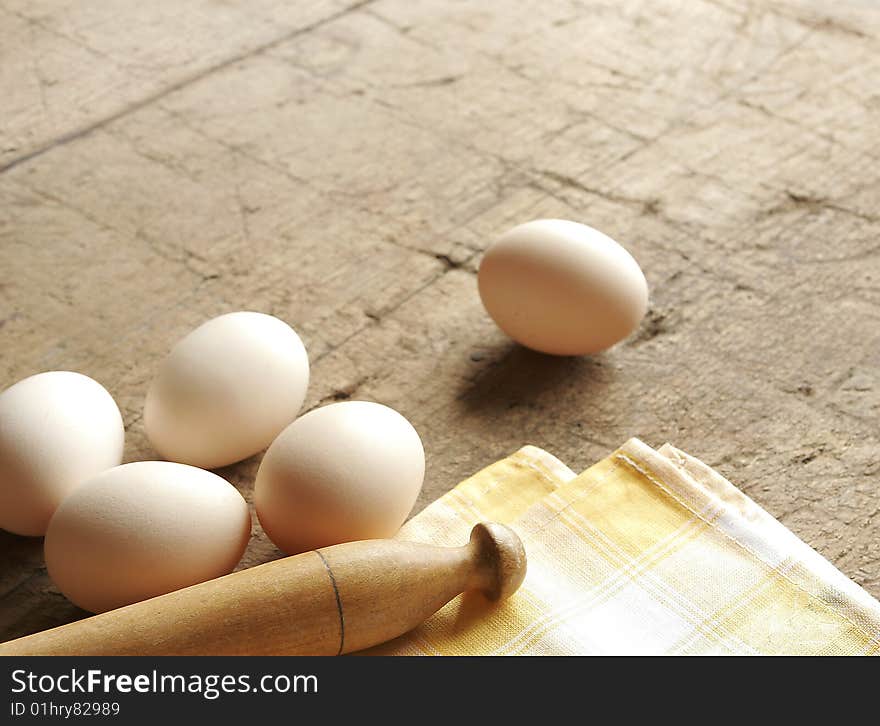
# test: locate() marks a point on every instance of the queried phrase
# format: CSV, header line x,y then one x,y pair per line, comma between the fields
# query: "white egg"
x,y
143,529
562,287
226,390
56,430
347,471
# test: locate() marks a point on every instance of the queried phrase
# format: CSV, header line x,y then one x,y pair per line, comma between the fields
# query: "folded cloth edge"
x,y
548,460
706,492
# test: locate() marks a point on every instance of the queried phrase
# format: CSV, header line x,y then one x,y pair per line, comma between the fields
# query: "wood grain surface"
x,y
343,165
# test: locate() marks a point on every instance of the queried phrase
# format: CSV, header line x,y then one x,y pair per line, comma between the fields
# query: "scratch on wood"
x,y
179,85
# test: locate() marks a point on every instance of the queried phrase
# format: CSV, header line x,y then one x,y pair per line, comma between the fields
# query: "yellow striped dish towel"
x,y
646,552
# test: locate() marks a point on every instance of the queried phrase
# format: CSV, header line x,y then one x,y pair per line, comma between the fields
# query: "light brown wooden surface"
x,y
342,166
331,601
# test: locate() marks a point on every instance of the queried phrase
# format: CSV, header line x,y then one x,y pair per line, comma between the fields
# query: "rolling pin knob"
x,y
500,558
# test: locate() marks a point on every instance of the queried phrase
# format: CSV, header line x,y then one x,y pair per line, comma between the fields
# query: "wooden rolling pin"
x,y
326,602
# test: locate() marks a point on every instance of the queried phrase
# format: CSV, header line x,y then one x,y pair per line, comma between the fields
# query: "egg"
x,y
56,430
143,529
226,390
561,287
343,472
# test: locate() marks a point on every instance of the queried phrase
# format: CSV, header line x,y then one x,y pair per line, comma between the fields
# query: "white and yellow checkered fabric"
x,y
648,552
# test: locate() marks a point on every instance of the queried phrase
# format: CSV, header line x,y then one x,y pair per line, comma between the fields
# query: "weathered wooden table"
x,y
342,166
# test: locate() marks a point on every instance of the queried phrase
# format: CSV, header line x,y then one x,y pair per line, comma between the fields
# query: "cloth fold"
x,y
649,552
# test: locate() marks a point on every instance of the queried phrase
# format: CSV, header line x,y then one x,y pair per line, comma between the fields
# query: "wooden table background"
x,y
343,165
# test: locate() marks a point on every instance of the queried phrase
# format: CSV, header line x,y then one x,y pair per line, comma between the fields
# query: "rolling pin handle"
x,y
343,598
500,560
